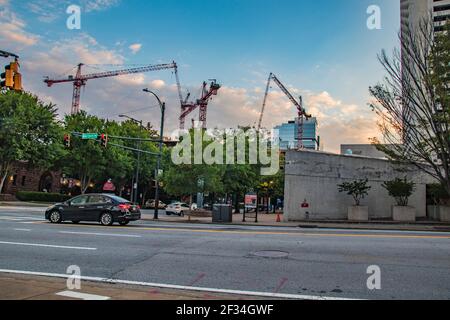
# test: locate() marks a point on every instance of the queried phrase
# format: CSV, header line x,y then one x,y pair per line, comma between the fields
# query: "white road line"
x,y
101,234
46,246
178,287
81,296
15,218
25,230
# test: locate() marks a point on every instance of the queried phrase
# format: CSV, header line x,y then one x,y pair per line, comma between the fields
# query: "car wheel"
x,y
75,222
168,213
106,219
55,217
124,223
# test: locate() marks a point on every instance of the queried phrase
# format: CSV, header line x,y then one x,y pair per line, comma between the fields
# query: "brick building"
x,y
25,178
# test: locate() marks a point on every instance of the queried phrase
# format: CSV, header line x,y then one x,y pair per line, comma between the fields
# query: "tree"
x,y
147,163
357,189
400,190
413,102
29,131
87,160
188,179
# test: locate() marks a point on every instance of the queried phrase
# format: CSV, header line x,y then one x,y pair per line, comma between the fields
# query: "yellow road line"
x,y
347,235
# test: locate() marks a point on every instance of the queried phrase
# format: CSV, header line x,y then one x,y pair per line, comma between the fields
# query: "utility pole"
x,y
158,166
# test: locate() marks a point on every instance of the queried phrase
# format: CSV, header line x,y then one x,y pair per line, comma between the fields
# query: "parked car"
x,y
104,208
151,204
177,208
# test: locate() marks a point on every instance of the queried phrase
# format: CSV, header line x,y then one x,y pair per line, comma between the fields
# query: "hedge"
x,y
41,196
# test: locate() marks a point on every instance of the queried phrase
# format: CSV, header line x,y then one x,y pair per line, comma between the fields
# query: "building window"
x,y
24,179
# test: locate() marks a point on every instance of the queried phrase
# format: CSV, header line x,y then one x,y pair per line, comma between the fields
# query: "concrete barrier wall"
x,y
314,176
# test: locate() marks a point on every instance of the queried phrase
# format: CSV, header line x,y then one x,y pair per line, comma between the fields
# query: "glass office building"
x,y
286,135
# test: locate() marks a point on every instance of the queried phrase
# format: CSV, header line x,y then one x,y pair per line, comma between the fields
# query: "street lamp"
x,y
138,168
162,105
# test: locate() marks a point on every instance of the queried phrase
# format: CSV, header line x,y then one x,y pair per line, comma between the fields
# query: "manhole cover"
x,y
271,254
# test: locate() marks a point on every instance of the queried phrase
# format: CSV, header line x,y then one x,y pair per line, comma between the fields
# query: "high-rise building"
x,y
285,135
413,11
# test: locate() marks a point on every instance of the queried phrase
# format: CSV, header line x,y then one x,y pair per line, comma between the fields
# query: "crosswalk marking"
x,y
81,296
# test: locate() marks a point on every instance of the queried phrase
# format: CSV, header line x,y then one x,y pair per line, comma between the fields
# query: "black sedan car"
x,y
103,208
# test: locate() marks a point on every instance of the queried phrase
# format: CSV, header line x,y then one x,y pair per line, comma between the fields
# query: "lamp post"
x,y
162,105
138,168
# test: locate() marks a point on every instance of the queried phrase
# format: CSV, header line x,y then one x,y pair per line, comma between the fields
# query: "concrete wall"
x,y
314,176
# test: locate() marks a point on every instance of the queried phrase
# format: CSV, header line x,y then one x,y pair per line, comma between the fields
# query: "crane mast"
x,y
202,104
80,80
298,104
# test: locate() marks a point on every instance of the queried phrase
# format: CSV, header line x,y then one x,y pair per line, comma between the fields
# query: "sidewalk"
x,y
270,220
24,287
24,204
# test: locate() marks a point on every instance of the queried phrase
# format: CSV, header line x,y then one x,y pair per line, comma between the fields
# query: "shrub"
x,y
357,189
41,196
400,189
437,193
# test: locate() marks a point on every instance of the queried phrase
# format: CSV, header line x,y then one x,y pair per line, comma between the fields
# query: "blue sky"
x,y
319,48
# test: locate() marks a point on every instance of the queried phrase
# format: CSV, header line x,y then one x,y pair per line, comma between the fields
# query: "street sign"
x,y
89,136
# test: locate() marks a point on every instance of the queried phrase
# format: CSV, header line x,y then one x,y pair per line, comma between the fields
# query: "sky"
x,y
320,49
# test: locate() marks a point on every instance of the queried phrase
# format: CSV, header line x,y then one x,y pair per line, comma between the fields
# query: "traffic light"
x,y
7,78
11,78
104,140
17,82
67,141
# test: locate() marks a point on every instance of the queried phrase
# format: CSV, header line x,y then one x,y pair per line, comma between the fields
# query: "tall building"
x,y
285,135
413,11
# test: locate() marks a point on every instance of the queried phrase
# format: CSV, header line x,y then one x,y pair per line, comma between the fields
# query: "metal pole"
x,y
138,167
163,110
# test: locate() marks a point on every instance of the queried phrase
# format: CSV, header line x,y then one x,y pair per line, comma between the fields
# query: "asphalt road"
x,y
315,263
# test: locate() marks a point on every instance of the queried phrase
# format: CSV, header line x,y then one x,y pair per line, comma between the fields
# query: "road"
x,y
308,263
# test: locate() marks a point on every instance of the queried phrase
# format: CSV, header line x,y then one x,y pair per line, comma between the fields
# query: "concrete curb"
x,y
327,225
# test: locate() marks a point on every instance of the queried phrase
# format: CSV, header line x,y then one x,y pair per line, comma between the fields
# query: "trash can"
x,y
222,213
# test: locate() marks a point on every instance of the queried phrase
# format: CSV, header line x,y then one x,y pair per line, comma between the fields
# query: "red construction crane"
x,y
202,103
299,104
79,80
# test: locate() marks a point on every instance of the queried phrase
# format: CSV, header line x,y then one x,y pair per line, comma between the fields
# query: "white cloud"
x,y
135,48
13,31
157,84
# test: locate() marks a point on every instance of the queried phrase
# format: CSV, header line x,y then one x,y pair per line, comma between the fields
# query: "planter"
x,y
404,214
358,213
444,213
433,212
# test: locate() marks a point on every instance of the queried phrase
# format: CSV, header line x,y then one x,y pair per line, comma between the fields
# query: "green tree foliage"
x,y
357,189
400,189
90,162
189,179
29,131
86,159
227,180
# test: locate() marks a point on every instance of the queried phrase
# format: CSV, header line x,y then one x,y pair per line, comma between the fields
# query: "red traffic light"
x,y
67,141
104,140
